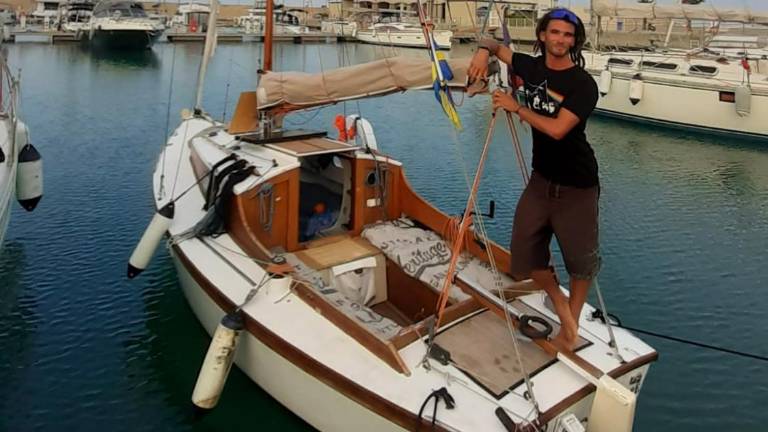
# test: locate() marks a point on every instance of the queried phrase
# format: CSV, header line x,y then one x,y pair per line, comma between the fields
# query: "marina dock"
x,y
59,37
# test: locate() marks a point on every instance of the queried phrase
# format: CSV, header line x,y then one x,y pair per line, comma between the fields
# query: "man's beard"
x,y
551,52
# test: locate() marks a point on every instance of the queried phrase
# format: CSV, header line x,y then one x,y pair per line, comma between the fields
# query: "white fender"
x,y
363,131
141,256
218,362
743,100
613,409
636,87
604,84
29,178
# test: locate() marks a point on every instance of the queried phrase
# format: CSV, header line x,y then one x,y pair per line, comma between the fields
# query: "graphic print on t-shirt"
x,y
542,99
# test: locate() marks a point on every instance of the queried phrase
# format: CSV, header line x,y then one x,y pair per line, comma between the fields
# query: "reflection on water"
x,y
19,322
684,224
129,58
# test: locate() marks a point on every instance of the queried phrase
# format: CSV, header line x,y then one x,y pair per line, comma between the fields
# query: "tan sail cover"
x,y
708,11
288,91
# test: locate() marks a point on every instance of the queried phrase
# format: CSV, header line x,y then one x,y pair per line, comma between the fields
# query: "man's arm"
x,y
556,127
478,67
502,52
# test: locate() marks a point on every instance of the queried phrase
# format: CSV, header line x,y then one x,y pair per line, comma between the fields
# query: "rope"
x,y
613,344
441,393
598,314
167,119
502,294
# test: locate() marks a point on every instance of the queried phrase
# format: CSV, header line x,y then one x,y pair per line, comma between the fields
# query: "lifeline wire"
x,y
599,315
167,119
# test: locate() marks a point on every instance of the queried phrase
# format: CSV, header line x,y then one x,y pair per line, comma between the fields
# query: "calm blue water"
x,y
684,234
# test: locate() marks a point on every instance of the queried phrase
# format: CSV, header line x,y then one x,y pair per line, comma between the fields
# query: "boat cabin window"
x,y
620,62
702,70
325,195
120,9
666,67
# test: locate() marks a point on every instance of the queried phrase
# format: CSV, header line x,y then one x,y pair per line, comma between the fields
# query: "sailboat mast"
x,y
268,34
210,45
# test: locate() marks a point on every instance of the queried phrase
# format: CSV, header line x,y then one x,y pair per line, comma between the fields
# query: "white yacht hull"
x,y
686,107
410,39
677,96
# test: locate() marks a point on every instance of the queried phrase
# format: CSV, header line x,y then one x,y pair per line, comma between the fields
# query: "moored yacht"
x,y
123,24
695,90
716,92
76,16
402,35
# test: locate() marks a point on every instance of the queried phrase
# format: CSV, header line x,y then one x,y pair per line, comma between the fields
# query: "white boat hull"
x,y
411,39
322,373
305,395
676,95
8,171
309,396
687,107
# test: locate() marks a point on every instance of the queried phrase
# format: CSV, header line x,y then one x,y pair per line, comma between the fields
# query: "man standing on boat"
x,y
562,195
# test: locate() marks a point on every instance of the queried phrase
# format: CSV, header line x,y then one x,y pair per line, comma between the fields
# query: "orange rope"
x,y
459,235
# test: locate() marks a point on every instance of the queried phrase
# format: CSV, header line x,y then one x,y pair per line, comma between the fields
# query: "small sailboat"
x,y
319,271
20,163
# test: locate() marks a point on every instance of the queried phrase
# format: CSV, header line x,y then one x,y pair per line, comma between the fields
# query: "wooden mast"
x,y
268,32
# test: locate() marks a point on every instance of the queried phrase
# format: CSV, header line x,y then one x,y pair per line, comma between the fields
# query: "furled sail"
x,y
290,91
708,11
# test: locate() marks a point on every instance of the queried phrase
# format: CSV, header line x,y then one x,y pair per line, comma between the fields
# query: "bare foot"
x,y
560,341
571,339
566,339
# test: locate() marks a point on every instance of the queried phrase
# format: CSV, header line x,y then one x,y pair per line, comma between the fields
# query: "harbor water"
x,y
684,232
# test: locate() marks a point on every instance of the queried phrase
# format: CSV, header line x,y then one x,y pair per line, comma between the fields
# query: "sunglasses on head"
x,y
565,14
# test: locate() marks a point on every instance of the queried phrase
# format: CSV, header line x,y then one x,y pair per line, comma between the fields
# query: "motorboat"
x,y
119,24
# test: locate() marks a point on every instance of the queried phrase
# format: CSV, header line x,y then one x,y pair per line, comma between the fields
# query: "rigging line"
x,y
161,192
599,315
507,314
456,249
226,92
613,344
489,10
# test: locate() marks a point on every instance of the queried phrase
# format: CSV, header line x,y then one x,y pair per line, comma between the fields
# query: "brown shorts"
x,y
570,213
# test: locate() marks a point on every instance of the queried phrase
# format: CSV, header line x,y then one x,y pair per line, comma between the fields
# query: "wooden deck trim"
x,y
545,344
418,209
378,347
585,391
303,361
416,331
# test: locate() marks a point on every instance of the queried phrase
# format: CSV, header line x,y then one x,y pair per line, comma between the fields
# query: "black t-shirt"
x,y
569,161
